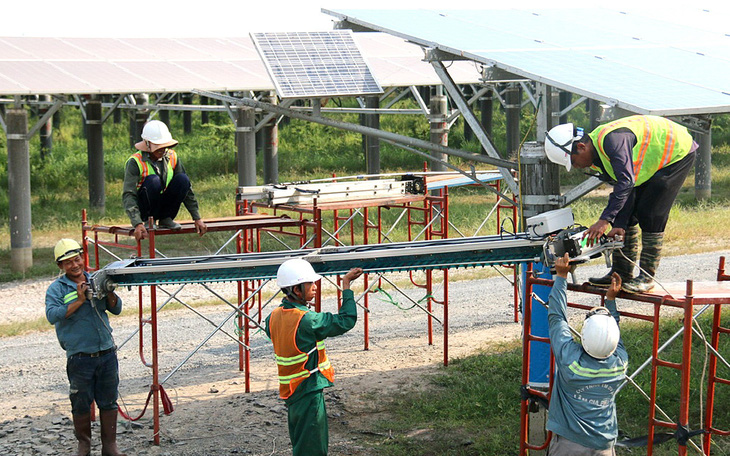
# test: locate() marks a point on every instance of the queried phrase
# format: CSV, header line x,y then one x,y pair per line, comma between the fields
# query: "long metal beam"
x,y
401,139
475,125
399,256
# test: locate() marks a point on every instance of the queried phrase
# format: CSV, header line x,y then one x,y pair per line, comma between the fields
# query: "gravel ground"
x,y
214,415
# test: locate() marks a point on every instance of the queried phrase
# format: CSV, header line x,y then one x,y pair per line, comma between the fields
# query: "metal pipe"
x,y
360,129
19,207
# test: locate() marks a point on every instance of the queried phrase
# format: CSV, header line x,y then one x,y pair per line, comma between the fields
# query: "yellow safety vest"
x,y
659,143
145,168
291,361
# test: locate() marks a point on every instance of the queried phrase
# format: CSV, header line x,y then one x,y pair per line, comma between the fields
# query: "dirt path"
x,y
213,413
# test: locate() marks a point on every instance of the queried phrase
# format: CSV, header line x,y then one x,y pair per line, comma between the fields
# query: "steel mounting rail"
x,y
398,256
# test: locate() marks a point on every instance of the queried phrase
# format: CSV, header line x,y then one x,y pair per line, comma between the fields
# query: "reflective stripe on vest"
x,y
73,296
581,371
659,143
145,168
291,362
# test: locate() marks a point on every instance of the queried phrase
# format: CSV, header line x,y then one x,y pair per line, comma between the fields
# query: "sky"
x,y
218,18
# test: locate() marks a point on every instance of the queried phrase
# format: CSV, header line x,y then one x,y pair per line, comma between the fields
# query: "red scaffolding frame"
x,y
427,213
430,212
247,227
692,294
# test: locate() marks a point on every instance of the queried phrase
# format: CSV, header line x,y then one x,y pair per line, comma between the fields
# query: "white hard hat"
x,y
559,143
65,249
295,271
155,132
600,334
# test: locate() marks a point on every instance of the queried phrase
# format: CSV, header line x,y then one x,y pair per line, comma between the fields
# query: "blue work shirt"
x,y
582,407
85,331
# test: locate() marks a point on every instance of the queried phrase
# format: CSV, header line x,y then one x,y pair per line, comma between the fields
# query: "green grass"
x,y
472,407
469,408
60,190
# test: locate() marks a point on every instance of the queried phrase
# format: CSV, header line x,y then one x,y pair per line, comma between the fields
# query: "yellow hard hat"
x,y
65,249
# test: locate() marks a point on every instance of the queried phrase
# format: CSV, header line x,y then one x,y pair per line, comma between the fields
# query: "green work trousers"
x,y
308,429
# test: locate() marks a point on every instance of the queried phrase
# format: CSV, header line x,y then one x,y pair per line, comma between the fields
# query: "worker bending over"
x,y
298,335
582,414
646,159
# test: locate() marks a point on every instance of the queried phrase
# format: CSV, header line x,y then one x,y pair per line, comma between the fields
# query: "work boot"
x,y
620,259
108,420
651,252
169,224
82,431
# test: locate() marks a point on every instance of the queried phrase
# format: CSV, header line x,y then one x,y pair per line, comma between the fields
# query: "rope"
x,y
239,331
167,406
390,300
642,270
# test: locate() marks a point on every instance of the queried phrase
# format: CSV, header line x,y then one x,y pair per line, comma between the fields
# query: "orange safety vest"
x,y
144,168
290,360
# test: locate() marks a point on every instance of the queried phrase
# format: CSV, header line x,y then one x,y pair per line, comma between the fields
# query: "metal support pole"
x,y
163,114
565,99
486,106
372,144
439,128
21,247
138,120
594,113
95,152
187,99
271,147
425,92
512,97
46,130
703,166
468,132
116,115
204,118
246,143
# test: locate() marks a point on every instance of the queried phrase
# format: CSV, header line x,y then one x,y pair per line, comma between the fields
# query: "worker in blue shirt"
x,y
582,413
82,328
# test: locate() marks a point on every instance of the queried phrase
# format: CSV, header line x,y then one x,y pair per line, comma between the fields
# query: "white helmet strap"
x,y
564,147
292,296
600,310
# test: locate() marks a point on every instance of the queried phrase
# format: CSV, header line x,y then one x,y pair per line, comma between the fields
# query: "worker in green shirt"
x,y
298,335
156,184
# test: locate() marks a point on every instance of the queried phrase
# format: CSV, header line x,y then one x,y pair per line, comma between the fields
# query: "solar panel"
x,y
315,64
133,65
635,60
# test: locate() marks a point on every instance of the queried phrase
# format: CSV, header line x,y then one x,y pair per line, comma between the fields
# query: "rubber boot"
x,y
169,224
651,252
108,420
620,262
82,431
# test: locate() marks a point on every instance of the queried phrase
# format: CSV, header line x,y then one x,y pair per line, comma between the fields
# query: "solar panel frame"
x,y
315,64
